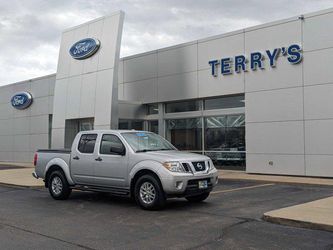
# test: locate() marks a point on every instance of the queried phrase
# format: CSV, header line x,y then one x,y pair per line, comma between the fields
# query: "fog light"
x,y
179,185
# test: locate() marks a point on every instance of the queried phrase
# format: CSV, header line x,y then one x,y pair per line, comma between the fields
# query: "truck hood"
x,y
173,155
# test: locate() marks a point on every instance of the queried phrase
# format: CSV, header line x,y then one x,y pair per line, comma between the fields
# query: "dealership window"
x,y
130,124
225,140
185,134
152,109
225,102
186,106
153,126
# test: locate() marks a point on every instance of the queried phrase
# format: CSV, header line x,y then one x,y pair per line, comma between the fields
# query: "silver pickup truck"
x,y
138,164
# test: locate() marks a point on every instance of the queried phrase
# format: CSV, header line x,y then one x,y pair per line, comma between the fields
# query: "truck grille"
x,y
186,166
199,166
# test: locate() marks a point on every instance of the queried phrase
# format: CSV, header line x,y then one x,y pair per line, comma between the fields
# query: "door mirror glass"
x,y
117,150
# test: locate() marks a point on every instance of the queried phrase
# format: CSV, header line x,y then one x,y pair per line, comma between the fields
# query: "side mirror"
x,y
118,150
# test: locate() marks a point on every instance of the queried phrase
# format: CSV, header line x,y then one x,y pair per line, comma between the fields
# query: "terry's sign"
x,y
21,100
84,48
240,63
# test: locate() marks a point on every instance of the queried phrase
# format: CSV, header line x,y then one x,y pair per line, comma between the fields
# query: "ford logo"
x,y
21,100
84,48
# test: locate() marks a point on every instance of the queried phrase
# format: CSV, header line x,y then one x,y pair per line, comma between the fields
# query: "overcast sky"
x,y
30,30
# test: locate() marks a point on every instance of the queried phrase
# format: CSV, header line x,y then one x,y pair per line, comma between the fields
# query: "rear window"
x,y
87,143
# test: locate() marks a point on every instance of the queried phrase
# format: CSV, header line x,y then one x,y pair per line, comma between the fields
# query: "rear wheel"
x,y
58,186
198,198
148,193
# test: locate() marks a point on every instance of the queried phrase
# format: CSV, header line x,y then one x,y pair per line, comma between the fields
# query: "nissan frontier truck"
x,y
138,164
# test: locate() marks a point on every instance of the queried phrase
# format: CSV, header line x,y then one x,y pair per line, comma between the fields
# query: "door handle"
x,y
99,159
76,158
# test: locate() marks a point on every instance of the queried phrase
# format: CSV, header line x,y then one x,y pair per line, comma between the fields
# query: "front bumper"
x,y
35,175
187,184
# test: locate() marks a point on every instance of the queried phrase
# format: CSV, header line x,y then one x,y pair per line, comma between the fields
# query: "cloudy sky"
x,y
30,30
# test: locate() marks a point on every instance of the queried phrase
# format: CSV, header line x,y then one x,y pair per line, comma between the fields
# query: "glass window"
x,y
87,143
215,133
153,126
225,140
225,133
130,124
185,134
225,102
111,145
186,106
143,142
152,109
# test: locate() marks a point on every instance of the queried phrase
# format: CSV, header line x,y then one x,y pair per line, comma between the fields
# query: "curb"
x,y
297,223
275,181
20,186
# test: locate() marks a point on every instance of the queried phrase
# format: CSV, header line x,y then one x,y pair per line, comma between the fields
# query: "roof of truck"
x,y
113,131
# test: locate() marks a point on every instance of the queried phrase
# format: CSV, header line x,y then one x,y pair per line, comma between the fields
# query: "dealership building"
x,y
257,99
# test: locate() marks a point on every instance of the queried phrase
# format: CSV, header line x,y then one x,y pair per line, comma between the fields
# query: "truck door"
x,y
82,161
111,163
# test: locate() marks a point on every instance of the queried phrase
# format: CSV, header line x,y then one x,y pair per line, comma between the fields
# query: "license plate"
x,y
203,184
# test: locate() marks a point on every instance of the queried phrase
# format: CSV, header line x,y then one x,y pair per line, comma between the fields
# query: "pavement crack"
x,y
222,234
47,236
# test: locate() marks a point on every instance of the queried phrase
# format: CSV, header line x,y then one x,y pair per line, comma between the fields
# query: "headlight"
x,y
174,167
211,165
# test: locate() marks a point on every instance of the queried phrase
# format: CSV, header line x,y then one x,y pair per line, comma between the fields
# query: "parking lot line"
x,y
243,188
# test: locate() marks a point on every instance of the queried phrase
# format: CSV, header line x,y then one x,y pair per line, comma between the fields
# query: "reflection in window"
x,y
185,134
226,133
152,109
186,106
153,126
130,124
225,102
109,142
87,143
225,140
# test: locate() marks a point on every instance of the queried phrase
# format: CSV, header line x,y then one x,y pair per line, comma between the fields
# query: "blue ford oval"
x,y
84,48
21,100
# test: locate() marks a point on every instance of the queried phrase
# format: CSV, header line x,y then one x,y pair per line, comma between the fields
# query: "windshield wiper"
x,y
148,150
143,150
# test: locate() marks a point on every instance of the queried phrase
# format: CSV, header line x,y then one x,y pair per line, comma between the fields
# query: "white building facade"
x,y
257,99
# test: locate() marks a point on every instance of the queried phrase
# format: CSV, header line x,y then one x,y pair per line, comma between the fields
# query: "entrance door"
x,y
74,126
111,163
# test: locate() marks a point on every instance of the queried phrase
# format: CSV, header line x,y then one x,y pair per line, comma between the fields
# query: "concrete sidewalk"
x,y
20,177
241,175
315,215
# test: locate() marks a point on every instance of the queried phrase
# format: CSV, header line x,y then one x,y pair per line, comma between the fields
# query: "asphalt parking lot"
x,y
229,219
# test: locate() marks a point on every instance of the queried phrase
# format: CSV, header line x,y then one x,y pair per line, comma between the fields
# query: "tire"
x,y
58,186
198,198
155,198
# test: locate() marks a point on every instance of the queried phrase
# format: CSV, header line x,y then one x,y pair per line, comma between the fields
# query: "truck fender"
x,y
151,165
63,165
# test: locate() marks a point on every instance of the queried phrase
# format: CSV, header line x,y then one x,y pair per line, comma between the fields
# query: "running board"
x,y
114,191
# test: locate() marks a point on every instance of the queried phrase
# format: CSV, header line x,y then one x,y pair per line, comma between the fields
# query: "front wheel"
x,y
58,186
148,193
198,198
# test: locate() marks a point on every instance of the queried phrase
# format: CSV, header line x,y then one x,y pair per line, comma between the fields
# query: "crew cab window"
x,y
87,143
111,145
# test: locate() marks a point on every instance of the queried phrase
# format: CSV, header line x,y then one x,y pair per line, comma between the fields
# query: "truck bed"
x,y
61,151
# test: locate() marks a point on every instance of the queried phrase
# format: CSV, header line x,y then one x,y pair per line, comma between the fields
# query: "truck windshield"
x,y
144,142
